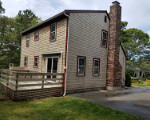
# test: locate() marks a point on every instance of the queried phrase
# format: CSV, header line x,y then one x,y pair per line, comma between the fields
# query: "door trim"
x,y
52,64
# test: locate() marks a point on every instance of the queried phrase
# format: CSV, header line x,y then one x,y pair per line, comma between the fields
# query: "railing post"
x,y
1,76
8,78
43,82
7,81
16,81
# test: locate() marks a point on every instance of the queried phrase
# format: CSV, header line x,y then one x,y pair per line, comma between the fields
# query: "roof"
x,y
59,16
139,69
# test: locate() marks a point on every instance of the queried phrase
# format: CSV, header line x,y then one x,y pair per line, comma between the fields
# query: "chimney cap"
x,y
116,2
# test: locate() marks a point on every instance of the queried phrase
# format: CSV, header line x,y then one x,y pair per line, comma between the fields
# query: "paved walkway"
x,y
134,100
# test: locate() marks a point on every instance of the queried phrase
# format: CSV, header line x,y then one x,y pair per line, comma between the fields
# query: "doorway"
x,y
52,66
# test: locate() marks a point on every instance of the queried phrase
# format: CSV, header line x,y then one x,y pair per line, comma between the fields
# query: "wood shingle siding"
x,y
85,40
44,45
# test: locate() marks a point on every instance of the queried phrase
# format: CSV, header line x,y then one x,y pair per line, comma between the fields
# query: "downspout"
x,y
66,54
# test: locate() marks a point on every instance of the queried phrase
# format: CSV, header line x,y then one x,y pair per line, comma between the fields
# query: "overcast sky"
x,y
135,12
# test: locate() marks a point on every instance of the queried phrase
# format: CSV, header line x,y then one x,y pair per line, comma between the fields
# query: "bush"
x,y
148,76
128,80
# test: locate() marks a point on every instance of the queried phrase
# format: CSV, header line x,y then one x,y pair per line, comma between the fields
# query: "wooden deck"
x,y
40,83
30,80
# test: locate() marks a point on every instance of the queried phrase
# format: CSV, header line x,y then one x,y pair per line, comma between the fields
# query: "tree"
x,y
136,44
27,19
9,45
10,38
2,10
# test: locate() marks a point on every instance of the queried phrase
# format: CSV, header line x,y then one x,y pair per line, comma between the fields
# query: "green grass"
x,y
142,83
2,96
138,85
62,108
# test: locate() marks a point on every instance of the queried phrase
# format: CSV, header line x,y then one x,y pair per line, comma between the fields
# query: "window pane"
x,y
35,64
35,61
96,63
81,70
104,38
52,27
28,38
53,36
104,35
81,61
25,61
36,35
49,64
96,71
55,62
96,67
27,42
81,65
104,42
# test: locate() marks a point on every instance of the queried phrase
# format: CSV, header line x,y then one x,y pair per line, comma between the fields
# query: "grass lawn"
x,y
142,83
61,108
2,96
138,85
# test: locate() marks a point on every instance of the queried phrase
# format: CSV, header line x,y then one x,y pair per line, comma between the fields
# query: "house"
x,y
82,44
139,72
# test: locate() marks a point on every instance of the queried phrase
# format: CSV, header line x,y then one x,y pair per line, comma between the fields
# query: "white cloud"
x,y
135,12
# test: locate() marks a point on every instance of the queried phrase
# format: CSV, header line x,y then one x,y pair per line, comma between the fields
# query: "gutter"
x,y
66,55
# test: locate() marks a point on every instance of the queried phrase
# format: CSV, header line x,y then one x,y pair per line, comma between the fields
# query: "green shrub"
x,y
128,80
148,76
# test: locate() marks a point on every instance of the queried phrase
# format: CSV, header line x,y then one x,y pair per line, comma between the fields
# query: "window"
x,y
28,39
36,61
96,66
36,35
104,38
81,66
105,19
25,61
53,32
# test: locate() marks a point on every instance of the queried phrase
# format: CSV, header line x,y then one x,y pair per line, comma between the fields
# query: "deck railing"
x,y
30,80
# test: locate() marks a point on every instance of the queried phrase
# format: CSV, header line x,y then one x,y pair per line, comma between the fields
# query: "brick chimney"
x,y
113,66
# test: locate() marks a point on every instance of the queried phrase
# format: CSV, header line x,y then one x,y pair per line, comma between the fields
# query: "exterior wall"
x,y
122,60
85,40
43,45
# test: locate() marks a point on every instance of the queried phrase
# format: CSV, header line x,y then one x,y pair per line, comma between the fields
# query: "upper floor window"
x,y
36,61
104,38
28,39
81,66
105,19
36,35
96,66
53,32
25,61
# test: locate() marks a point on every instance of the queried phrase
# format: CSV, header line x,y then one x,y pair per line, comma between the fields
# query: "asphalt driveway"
x,y
133,100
